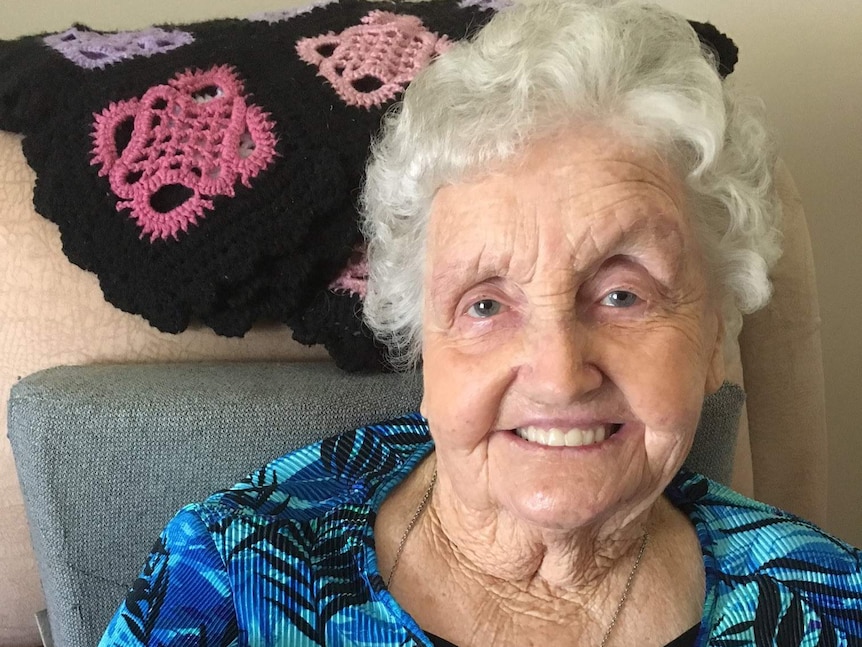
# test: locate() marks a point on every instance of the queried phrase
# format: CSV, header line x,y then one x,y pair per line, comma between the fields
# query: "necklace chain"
x,y
419,510
625,595
424,503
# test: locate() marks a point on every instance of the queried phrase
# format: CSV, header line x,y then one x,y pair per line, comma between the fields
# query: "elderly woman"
x,y
564,218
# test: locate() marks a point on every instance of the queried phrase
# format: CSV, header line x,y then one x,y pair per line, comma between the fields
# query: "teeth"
x,y
574,438
563,437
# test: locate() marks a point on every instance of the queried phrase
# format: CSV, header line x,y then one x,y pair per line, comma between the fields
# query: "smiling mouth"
x,y
555,437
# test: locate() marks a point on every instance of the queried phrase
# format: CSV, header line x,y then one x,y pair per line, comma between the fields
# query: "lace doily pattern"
x,y
183,143
371,63
95,50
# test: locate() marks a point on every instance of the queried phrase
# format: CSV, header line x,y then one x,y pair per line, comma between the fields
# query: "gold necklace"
x,y
625,596
424,503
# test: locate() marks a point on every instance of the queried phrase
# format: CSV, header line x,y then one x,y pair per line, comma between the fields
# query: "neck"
x,y
476,579
492,546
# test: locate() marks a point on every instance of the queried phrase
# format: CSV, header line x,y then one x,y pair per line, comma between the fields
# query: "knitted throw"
x,y
208,172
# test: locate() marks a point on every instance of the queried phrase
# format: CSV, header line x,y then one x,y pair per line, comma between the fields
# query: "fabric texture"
x,y
286,557
107,454
715,440
209,172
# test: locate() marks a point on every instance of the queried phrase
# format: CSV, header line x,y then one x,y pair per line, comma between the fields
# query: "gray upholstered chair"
x,y
106,454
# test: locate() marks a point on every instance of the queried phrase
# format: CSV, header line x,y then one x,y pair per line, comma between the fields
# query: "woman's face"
x,y
569,333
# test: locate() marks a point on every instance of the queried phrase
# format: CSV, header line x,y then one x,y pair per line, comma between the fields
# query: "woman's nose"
x,y
557,367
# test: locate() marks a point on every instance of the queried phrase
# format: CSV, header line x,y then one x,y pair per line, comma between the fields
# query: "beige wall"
x,y
802,59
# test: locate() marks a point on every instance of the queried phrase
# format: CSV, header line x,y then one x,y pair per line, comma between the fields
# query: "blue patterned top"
x,y
286,557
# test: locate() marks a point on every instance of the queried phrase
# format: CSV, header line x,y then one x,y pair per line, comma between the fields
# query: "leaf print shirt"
x,y
286,558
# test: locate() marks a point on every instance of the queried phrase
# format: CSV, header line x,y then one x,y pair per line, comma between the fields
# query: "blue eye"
x,y
620,299
484,308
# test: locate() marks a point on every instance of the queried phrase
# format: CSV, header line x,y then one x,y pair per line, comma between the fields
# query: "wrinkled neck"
x,y
492,545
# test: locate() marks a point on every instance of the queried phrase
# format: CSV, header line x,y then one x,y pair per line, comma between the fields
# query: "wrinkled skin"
x,y
566,290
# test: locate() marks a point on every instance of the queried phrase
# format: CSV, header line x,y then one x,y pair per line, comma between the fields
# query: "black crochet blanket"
x,y
209,172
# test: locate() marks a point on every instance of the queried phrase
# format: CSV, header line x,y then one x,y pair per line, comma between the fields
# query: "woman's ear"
x,y
715,372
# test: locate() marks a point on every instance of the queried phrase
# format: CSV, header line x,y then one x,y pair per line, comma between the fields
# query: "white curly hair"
x,y
540,67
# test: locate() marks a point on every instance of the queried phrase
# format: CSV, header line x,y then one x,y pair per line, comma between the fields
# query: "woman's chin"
x,y
547,515
557,487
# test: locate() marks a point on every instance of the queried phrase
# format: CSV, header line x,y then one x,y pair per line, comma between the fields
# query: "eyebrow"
x,y
656,233
448,276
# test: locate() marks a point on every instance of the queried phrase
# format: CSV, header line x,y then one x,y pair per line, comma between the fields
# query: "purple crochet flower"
x,y
95,50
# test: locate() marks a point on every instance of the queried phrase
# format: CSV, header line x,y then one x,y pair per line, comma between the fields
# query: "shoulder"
x,y
748,536
358,465
291,524
181,590
768,570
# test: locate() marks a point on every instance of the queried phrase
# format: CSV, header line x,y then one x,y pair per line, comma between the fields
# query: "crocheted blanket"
x,y
209,172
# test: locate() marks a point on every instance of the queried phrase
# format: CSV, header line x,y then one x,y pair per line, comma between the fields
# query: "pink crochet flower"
x,y
353,279
370,63
181,144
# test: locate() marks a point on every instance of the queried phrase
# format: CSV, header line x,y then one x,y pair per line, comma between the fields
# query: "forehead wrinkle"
x,y
615,168
453,275
506,239
619,183
635,230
